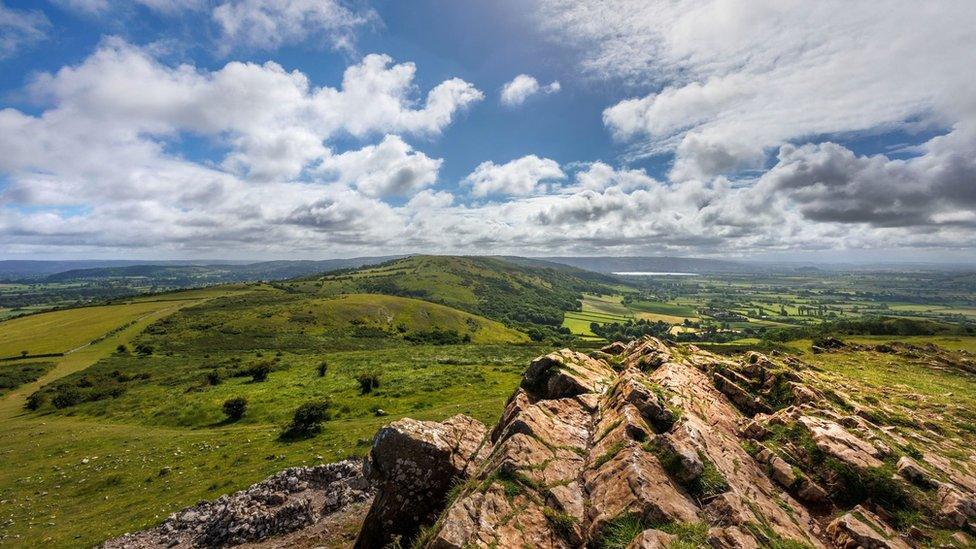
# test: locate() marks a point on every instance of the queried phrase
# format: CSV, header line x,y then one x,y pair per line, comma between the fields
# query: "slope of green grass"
x,y
82,473
516,295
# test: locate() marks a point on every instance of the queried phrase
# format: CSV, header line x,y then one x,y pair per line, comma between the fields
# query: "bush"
x,y
259,372
66,397
368,382
144,350
34,401
322,368
308,419
213,378
122,350
234,408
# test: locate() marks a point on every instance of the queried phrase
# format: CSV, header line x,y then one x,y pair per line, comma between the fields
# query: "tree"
x,y
234,408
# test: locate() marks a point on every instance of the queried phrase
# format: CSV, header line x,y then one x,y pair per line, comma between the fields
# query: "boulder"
x,y
414,464
838,442
566,373
860,528
957,508
910,470
651,539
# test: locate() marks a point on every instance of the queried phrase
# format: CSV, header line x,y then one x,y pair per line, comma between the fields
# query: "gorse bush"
x,y
307,419
322,368
368,382
259,372
234,408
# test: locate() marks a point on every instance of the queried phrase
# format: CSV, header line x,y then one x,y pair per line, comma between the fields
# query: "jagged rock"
x,y
803,394
861,528
911,471
648,354
614,348
650,405
566,373
812,492
651,539
739,396
414,464
730,538
838,442
957,508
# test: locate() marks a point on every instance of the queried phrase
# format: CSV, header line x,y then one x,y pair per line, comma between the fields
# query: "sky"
x,y
310,129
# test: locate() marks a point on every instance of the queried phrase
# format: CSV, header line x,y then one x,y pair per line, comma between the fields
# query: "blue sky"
x,y
223,128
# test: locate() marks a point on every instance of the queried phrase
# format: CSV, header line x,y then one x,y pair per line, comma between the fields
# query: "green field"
x,y
114,462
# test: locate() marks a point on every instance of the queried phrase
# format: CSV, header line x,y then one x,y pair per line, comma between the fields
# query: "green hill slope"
x,y
517,295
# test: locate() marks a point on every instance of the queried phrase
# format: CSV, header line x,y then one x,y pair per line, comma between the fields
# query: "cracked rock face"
x,y
414,464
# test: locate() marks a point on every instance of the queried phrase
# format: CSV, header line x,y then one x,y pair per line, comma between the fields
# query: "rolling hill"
x,y
515,294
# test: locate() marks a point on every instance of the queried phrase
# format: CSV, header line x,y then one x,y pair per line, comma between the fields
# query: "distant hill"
x,y
206,271
190,275
657,264
517,292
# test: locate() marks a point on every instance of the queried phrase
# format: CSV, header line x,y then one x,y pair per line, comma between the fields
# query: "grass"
x,y
98,469
17,373
61,331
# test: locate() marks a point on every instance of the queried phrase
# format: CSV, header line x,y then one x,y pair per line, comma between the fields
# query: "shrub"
x,y
308,419
322,368
234,408
259,372
368,382
65,397
143,349
122,350
213,378
34,401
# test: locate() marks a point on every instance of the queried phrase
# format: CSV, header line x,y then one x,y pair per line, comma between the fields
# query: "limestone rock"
x,y
861,528
414,464
838,442
651,539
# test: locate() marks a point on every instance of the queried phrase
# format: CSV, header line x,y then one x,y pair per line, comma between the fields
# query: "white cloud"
x,y
20,29
519,177
523,86
740,77
390,168
268,24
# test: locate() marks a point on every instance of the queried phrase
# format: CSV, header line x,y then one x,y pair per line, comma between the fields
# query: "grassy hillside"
x,y
517,295
124,435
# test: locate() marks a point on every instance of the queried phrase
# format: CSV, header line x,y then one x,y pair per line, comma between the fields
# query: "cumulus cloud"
x,y
523,86
268,24
519,177
94,169
390,168
829,183
20,29
732,84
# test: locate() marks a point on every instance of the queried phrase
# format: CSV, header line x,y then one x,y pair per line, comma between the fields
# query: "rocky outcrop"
x,y
861,528
291,500
639,445
581,447
414,464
